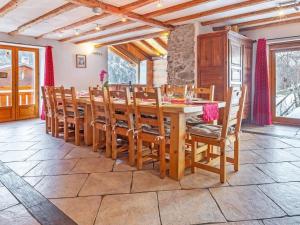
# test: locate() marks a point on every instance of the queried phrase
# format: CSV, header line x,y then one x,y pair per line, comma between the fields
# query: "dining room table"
x,y
178,112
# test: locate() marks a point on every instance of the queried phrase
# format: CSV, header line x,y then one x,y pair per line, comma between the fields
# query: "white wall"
x,y
160,74
65,70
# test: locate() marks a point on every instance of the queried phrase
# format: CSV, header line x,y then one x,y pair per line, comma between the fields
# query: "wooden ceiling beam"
x,y
265,20
135,29
249,14
127,53
9,6
149,46
135,5
76,24
118,11
93,31
141,37
175,8
272,24
124,55
161,43
215,11
48,15
138,49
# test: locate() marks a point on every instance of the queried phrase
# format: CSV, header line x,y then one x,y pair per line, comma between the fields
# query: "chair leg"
x,y
237,154
47,124
162,160
66,131
114,150
208,152
131,148
193,155
139,154
95,138
56,122
52,119
108,143
223,163
77,133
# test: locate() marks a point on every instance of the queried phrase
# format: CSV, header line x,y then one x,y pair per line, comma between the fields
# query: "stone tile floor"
x,y
92,189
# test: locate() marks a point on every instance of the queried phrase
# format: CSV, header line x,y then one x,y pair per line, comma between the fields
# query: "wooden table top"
x,y
169,107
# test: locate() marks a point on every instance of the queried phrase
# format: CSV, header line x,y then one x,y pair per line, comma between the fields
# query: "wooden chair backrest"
x,y
208,93
234,110
120,112
69,102
99,105
57,100
49,99
46,104
147,113
179,91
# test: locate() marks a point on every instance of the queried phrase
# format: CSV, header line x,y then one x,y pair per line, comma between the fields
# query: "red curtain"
x,y
262,106
49,73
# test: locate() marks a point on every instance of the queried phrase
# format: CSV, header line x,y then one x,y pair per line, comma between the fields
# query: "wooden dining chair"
x,y
58,111
122,123
73,115
48,107
150,128
205,93
220,136
100,119
178,91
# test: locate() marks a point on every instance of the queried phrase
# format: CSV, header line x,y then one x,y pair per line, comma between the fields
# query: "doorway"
x,y
285,82
19,83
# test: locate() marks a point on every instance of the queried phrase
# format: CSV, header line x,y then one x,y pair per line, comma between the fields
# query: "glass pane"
x,y
143,72
121,71
288,84
26,81
5,78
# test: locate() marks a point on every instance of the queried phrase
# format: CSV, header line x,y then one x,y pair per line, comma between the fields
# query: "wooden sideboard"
x,y
225,60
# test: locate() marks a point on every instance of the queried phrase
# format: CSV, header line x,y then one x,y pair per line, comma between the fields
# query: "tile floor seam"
x,y
77,195
158,208
31,168
217,204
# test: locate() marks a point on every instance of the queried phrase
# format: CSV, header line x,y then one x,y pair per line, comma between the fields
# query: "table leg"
x,y
88,129
177,146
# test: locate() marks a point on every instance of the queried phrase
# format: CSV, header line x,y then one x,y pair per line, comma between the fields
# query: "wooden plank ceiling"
x,y
143,23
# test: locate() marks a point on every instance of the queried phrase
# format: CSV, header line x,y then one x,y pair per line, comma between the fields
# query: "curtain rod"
x,y
17,43
274,39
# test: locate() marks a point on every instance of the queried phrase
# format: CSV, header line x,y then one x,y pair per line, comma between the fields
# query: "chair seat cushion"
x,y
154,130
122,124
194,120
208,130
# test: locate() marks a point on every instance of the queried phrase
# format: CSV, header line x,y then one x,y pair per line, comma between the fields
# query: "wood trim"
x,y
150,68
137,48
215,11
48,15
76,24
161,43
272,67
11,5
126,55
145,27
118,11
149,46
156,34
243,15
175,8
273,24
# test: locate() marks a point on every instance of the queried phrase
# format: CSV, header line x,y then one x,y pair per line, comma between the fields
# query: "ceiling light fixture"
x,y
159,4
124,19
97,11
98,27
77,32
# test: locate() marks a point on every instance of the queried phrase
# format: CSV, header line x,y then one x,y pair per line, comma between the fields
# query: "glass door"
x,y
7,84
285,75
27,86
19,83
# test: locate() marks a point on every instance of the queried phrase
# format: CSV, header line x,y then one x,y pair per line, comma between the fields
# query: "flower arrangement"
x,y
103,78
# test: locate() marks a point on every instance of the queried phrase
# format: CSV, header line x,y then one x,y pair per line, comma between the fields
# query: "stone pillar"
x,y
181,55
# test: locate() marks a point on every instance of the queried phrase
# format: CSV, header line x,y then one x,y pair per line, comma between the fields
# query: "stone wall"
x,y
181,55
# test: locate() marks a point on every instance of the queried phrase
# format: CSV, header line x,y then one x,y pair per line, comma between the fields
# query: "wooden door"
x,y
19,83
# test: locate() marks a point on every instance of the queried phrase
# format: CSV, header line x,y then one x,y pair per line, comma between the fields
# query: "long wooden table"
x,y
178,114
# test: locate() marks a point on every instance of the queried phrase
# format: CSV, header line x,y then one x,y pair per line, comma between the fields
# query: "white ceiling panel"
x,y
153,6
119,2
25,12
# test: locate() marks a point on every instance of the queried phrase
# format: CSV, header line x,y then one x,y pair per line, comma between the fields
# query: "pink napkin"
x,y
210,112
178,101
